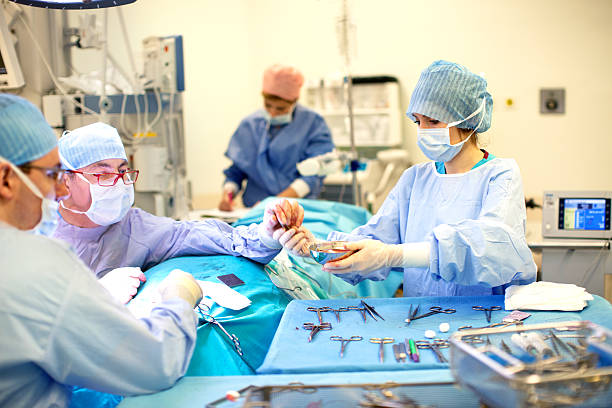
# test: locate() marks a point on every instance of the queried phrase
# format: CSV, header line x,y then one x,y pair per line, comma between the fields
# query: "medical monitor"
x,y
10,71
576,214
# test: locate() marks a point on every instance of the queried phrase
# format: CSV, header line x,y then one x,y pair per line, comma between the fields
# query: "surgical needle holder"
x,y
344,342
315,328
381,341
434,346
433,310
487,311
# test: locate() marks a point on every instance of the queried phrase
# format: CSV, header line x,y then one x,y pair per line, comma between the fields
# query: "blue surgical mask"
x,y
49,209
435,142
280,119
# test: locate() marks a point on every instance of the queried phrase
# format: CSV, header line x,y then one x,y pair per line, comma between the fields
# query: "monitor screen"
x,y
586,214
74,4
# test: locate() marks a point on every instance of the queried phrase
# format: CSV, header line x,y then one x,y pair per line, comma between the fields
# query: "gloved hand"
x,y
227,196
372,254
123,283
180,284
296,240
279,215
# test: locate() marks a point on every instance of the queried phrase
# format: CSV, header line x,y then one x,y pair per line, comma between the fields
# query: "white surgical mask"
x,y
49,208
435,142
280,119
108,204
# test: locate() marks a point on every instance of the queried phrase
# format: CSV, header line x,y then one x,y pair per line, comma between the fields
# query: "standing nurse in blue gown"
x,y
270,142
455,225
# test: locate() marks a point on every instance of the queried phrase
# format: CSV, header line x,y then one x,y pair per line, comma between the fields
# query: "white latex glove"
x,y
280,215
372,254
180,284
296,240
123,283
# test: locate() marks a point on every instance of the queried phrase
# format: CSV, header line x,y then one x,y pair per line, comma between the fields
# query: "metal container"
x,y
571,367
324,252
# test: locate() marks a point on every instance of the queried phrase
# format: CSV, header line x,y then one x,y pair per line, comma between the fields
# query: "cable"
x,y
594,265
53,77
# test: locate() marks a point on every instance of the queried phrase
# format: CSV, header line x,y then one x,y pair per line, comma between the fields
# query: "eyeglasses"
x,y
54,173
110,179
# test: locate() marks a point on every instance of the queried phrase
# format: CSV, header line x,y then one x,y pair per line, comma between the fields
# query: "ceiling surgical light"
x,y
73,4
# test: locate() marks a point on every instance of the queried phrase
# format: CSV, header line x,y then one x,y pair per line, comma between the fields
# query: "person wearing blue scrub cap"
x,y
60,327
455,225
117,240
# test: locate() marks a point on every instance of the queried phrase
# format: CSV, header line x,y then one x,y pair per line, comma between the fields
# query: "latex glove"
x,y
279,215
296,240
123,283
372,254
180,284
227,197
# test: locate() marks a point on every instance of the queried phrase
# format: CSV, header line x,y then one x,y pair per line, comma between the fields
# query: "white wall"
x,y
520,45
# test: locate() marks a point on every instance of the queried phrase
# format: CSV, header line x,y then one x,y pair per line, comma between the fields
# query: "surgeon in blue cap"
x,y
60,327
455,225
117,240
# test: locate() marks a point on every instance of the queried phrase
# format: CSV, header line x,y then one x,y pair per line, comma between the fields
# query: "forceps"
x,y
319,310
344,342
487,311
337,312
434,346
233,338
412,314
371,310
434,310
382,341
315,328
362,310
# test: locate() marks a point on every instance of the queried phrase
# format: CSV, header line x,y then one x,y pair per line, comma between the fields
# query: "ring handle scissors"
x,y
382,341
315,328
434,310
318,310
344,342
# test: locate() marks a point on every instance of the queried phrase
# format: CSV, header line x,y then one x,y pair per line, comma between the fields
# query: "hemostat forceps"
x,y
434,346
381,341
211,320
344,342
433,310
337,312
487,311
319,310
362,310
315,328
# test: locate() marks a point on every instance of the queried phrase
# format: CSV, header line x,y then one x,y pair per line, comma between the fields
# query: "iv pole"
x,y
345,26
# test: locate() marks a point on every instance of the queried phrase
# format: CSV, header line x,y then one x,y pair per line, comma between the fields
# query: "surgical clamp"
x,y
371,310
344,342
381,341
337,312
362,310
434,346
319,310
315,328
433,310
233,338
487,311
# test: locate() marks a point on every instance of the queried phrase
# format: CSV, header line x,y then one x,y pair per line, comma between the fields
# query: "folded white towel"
x,y
547,296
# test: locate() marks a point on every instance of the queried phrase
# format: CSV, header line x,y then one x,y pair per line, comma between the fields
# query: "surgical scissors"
x,y
434,346
344,342
315,328
433,310
487,311
382,341
319,310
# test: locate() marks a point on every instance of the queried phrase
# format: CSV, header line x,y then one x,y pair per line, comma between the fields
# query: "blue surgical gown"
x,y
60,328
474,221
266,156
144,240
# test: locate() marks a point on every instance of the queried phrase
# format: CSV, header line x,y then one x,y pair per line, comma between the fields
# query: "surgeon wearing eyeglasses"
x,y
60,327
117,240
269,143
454,225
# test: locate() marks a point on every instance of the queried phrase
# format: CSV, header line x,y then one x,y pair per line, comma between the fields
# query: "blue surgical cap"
x,y
25,135
90,144
449,92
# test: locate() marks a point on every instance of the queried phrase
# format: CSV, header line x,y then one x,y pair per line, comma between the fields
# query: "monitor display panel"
x,y
587,214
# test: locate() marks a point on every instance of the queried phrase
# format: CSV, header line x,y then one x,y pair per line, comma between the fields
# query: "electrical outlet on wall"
x,y
552,100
